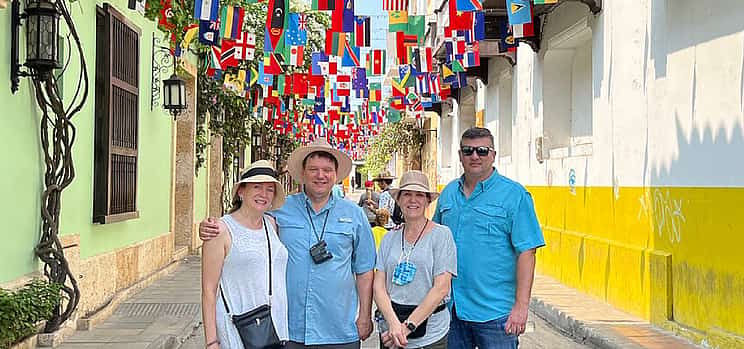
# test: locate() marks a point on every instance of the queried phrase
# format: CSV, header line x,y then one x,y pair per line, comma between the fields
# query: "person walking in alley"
x,y
415,267
384,181
496,232
368,202
243,269
331,254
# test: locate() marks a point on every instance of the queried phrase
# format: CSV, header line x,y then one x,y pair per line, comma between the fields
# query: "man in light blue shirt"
x,y
496,233
331,254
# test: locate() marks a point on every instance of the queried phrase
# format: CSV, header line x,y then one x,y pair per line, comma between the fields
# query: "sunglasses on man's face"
x,y
481,151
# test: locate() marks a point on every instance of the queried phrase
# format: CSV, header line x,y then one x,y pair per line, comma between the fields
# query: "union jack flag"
x,y
302,22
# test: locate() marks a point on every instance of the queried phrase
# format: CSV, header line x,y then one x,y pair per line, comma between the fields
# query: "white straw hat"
x,y
261,171
414,181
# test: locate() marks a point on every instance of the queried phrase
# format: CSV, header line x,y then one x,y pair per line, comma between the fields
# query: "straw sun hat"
x,y
261,171
294,163
414,181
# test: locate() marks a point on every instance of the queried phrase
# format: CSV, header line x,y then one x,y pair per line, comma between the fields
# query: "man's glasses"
x,y
481,151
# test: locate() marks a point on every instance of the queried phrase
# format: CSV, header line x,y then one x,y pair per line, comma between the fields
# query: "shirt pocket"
x,y
492,221
447,213
293,235
340,240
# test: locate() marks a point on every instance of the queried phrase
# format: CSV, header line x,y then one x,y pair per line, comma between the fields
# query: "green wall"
x,y
22,167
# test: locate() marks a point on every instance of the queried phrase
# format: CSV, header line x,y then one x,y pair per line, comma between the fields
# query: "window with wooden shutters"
x,y
117,117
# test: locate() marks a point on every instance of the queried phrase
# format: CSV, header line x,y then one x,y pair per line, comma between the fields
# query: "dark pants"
x,y
484,335
297,345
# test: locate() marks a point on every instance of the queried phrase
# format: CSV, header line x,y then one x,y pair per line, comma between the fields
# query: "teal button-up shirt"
x,y
322,298
491,228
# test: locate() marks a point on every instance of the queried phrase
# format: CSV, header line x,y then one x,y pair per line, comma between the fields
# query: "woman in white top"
x,y
236,266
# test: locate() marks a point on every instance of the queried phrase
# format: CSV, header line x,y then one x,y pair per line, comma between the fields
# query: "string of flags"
x,y
343,95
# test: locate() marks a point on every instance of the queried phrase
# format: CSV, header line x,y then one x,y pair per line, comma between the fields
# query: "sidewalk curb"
x,y
576,329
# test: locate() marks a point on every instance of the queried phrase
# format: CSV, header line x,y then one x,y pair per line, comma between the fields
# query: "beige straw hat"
x,y
384,175
294,163
414,181
261,171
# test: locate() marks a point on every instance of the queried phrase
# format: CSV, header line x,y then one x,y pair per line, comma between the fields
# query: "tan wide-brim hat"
x,y
261,171
294,164
383,175
414,181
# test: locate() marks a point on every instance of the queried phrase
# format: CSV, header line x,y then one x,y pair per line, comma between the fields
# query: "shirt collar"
x,y
482,185
306,201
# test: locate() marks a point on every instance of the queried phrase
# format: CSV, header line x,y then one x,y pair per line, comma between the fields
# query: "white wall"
x,y
665,99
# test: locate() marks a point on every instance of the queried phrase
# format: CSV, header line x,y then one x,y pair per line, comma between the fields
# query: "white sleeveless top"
x,y
245,280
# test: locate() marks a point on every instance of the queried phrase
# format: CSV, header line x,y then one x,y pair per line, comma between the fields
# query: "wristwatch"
x,y
410,325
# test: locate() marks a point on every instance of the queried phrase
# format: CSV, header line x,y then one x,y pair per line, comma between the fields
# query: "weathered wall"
x,y
645,212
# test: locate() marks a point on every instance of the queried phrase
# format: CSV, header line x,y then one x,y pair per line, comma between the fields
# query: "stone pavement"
x,y
589,320
159,316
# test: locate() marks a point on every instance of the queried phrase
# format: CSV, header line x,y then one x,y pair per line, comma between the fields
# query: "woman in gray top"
x,y
415,266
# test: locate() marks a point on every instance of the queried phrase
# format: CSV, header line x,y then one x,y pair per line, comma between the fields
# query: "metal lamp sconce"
x,y
42,45
174,93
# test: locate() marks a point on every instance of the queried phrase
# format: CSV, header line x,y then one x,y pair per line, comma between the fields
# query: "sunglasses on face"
x,y
481,151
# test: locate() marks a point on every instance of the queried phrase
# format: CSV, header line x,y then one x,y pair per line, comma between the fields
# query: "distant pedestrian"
x,y
368,202
385,181
235,266
493,222
415,266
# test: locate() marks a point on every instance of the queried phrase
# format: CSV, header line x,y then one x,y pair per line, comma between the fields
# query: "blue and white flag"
x,y
518,11
206,10
296,33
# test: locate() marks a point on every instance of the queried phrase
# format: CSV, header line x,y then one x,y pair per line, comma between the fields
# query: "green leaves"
x,y
21,310
394,138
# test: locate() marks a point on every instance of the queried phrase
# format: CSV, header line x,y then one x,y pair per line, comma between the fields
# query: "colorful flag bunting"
x,y
206,10
231,22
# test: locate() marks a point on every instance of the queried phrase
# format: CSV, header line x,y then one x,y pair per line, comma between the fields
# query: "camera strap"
x,y
310,216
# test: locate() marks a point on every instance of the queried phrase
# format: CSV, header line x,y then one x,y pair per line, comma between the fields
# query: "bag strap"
x,y
268,244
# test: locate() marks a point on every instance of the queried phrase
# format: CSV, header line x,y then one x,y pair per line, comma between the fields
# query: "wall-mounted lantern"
x,y
42,45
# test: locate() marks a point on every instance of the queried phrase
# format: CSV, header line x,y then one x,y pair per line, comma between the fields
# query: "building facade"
x,y
625,122
135,199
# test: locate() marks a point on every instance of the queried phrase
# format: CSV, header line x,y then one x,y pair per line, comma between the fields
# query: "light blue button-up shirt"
x,y
322,298
491,228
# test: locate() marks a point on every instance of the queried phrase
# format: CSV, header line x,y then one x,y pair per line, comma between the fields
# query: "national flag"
x,y
376,62
524,30
351,56
398,21
394,5
543,2
235,82
348,16
209,32
245,46
299,84
479,26
518,11
190,33
506,37
359,79
213,60
324,4
447,73
422,84
459,19
296,56
264,78
271,63
469,5
404,41
416,26
227,59
343,85
404,71
277,10
252,77
206,10
435,84
166,13
335,43
471,57
425,59
231,22
296,33
362,31
317,58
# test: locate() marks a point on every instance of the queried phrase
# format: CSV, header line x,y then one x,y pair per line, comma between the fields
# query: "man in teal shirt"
x,y
331,254
496,233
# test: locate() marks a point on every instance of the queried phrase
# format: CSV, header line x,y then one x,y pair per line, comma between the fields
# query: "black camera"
x,y
319,252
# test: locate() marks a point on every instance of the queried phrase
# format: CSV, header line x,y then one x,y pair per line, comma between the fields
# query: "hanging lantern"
x,y
174,95
42,45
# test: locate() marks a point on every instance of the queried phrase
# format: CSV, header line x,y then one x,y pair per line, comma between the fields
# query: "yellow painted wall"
x,y
663,253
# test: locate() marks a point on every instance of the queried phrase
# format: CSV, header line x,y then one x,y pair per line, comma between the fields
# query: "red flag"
x,y
275,21
299,84
166,13
337,17
459,19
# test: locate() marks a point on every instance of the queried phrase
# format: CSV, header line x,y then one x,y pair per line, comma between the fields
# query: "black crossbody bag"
x,y
256,327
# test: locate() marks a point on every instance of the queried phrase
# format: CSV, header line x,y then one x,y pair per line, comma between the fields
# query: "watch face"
x,y
411,326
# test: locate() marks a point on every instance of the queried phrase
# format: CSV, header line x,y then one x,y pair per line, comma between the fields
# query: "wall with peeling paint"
x,y
644,213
